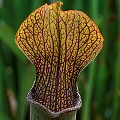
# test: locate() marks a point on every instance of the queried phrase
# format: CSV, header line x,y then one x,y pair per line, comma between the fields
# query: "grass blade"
x,y
7,36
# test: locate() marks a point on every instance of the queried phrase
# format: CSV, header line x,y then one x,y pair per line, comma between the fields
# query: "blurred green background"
x,y
99,83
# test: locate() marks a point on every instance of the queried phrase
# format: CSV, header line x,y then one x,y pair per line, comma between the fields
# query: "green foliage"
x,y
99,83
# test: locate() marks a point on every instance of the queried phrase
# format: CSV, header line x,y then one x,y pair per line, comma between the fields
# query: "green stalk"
x,y
102,69
1,84
26,73
89,93
37,114
86,115
116,102
4,105
21,98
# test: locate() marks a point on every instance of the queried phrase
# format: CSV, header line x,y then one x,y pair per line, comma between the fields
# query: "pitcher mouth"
x,y
53,114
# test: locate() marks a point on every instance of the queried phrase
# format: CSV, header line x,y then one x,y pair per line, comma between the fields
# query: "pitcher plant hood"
x,y
60,44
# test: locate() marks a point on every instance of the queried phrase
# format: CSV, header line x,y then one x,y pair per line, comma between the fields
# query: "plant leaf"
x,y
60,44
